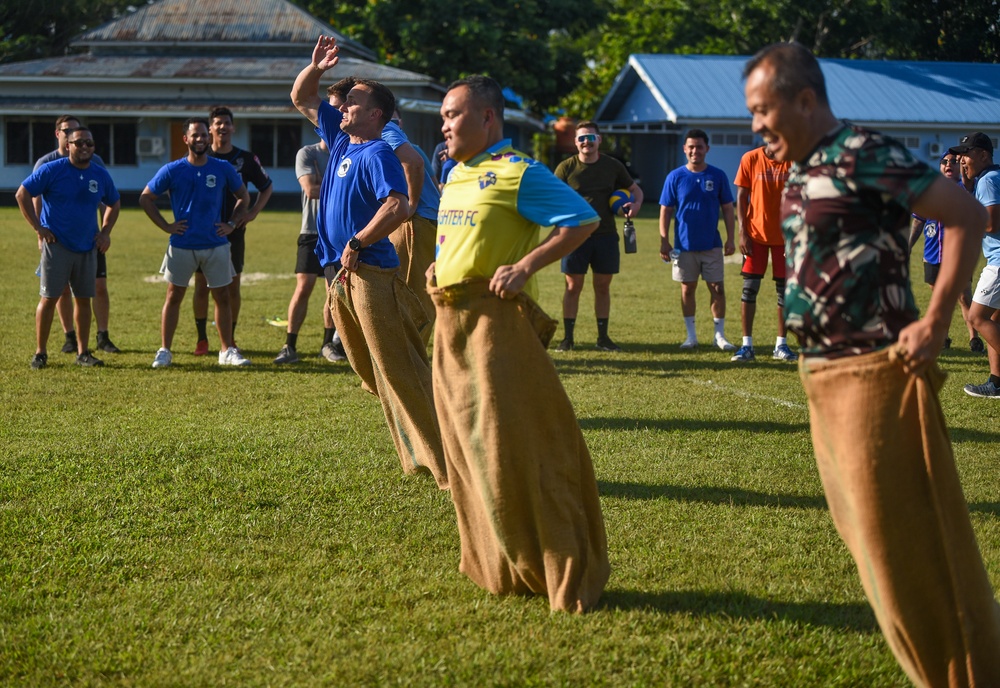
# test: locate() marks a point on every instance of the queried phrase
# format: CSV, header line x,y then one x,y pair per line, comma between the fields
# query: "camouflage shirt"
x,y
846,214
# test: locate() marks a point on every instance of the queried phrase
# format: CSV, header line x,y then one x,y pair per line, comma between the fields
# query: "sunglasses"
x,y
82,142
65,131
582,138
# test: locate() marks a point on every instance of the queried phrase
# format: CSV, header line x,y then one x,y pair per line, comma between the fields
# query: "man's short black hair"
x,y
220,111
696,134
194,120
484,89
381,97
795,69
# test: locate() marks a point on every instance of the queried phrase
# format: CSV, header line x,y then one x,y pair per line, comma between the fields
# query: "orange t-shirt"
x,y
766,180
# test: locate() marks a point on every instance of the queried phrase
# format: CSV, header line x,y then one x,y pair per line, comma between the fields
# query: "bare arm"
x,y
240,212
993,219
305,90
27,205
916,229
743,216
632,209
965,219
262,198
666,215
147,201
107,224
413,170
508,280
730,222
390,215
310,185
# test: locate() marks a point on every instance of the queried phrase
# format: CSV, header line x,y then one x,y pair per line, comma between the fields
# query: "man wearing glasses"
x,y
976,150
933,233
595,177
71,189
64,125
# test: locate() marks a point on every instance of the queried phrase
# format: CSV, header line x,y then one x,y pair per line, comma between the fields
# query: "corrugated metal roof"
x,y
711,87
201,69
247,22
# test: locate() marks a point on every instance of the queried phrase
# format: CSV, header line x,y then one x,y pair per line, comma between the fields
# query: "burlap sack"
x,y
415,240
379,321
521,476
887,468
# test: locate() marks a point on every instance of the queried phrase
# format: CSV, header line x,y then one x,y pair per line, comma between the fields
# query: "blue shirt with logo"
x,y
696,198
70,199
197,194
358,177
988,193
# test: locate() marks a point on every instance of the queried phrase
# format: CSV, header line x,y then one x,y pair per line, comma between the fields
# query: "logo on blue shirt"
x,y
210,181
345,166
488,179
709,185
92,186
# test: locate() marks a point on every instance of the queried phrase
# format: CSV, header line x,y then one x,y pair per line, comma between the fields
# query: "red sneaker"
x,y
201,348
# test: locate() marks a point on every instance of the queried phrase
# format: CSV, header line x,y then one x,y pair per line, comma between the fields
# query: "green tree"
x,y
528,45
33,29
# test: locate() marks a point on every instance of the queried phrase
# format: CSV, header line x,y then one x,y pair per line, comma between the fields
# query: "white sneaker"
x,y
163,358
724,343
233,357
689,343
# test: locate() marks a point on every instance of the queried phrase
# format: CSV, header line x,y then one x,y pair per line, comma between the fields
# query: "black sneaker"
x,y
605,344
104,344
39,361
976,346
565,345
87,360
69,347
947,342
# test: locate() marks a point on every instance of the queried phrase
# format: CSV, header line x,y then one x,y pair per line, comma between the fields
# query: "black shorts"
x,y
238,248
307,262
330,272
102,265
599,252
931,271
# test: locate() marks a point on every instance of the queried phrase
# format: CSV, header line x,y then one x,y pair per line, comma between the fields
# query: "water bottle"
x,y
674,255
628,232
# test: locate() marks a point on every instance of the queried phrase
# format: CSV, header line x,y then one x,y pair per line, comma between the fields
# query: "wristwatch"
x,y
355,243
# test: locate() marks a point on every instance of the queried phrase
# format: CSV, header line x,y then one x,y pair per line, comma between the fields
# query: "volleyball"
x,y
618,199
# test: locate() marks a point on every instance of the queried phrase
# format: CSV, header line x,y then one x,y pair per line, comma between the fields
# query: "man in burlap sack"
x,y
521,476
362,200
869,371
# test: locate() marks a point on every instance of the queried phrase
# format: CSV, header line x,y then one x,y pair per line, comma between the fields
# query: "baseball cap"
x,y
976,139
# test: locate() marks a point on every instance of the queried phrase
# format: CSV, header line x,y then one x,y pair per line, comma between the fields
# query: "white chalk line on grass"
x,y
745,394
246,279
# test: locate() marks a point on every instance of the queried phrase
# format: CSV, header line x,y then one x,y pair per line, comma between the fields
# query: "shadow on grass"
x,y
972,435
708,495
856,617
991,508
578,365
690,425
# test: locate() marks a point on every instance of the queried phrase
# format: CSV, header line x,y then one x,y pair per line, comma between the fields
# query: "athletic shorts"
x,y
756,265
238,248
60,267
330,272
307,262
599,252
102,264
706,264
988,289
179,264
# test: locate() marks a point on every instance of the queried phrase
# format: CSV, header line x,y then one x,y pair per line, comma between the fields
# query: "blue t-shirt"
x,y
197,194
696,198
357,177
988,193
430,197
933,240
70,199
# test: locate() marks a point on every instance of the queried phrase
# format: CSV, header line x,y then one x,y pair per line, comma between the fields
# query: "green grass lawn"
x,y
245,527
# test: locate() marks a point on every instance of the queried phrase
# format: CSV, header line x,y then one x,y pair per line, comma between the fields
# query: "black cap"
x,y
976,139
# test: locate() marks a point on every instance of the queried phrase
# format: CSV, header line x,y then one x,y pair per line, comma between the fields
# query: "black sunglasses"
x,y
82,142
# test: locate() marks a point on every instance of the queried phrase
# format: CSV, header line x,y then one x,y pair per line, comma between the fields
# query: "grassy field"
x,y
250,527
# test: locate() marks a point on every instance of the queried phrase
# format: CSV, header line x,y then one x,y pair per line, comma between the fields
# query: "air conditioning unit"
x,y
935,149
149,145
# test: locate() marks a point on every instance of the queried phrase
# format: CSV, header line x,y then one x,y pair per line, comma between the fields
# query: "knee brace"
x,y
779,285
751,285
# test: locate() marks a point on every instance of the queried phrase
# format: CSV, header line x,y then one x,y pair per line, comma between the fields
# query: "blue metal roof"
x,y
678,88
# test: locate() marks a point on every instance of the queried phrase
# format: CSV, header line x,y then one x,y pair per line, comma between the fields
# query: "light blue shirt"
x,y
430,197
988,193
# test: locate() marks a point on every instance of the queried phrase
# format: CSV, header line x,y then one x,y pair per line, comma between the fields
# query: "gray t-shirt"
x,y
311,160
55,155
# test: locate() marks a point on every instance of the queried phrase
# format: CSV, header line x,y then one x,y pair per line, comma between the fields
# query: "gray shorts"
x,y
988,290
706,264
179,265
60,267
